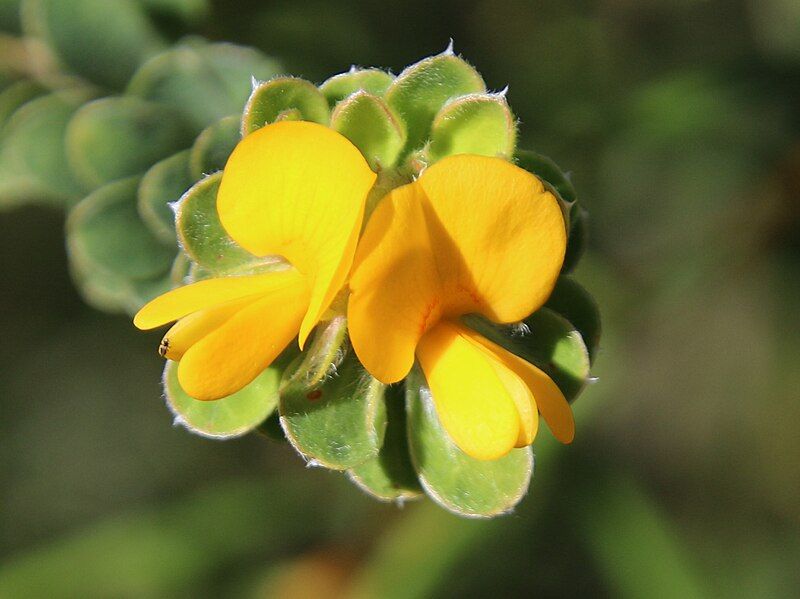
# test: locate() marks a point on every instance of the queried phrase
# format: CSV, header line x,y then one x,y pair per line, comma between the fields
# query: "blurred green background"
x,y
680,121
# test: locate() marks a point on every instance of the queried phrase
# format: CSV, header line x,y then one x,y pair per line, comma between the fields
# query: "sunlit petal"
x,y
235,353
185,300
472,402
395,289
298,189
497,235
550,401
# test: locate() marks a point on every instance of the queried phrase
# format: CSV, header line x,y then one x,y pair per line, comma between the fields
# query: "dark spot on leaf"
x,y
314,395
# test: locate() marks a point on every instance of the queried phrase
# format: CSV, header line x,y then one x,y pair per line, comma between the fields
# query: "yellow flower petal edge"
x,y
548,398
298,189
473,234
231,356
497,234
472,402
185,300
394,286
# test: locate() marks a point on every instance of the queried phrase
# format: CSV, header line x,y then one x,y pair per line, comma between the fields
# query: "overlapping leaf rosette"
x,y
380,277
105,115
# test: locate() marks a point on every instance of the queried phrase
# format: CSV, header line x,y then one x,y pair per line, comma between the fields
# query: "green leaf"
x,y
373,128
578,237
164,184
213,146
201,234
271,99
372,81
573,302
476,124
422,89
230,416
336,420
548,171
16,95
118,137
33,163
390,475
105,233
205,82
190,11
9,16
457,482
547,340
117,263
103,41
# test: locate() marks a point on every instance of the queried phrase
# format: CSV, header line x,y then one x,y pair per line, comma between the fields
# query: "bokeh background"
x,y
680,123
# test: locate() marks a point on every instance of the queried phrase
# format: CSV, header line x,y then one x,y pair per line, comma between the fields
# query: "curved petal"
x,y
549,399
298,189
473,404
394,286
522,396
498,236
231,356
190,329
185,300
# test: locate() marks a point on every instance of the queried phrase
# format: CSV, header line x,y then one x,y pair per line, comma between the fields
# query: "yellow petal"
x,y
522,396
498,236
179,302
549,399
190,329
471,401
394,286
231,356
298,189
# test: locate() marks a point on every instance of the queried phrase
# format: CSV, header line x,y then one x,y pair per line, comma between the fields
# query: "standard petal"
x,y
231,356
550,401
395,290
190,329
497,234
298,189
471,400
185,300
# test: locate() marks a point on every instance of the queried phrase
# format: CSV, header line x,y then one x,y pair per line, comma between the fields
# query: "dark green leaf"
x,y
390,475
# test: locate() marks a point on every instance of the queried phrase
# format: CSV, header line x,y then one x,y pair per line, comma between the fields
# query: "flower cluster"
x,y
390,249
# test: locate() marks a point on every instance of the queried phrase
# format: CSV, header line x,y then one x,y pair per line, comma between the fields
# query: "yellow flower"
x,y
471,235
293,189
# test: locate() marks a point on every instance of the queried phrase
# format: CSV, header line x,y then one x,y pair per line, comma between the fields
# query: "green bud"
x,y
213,146
16,95
102,41
373,128
164,184
336,419
201,235
33,162
205,82
271,99
117,137
114,257
338,87
422,89
476,124
457,482
390,475
547,340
